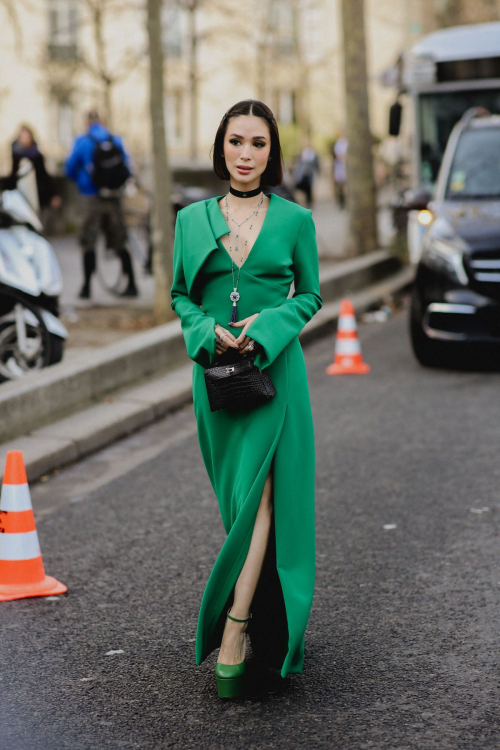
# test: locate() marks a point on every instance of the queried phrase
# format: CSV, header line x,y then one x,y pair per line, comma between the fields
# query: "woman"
x,y
260,462
306,167
26,147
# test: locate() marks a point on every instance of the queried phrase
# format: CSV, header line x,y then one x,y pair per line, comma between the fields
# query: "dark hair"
x,y
273,173
93,116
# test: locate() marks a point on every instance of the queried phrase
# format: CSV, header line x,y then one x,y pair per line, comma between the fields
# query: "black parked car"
x,y
456,300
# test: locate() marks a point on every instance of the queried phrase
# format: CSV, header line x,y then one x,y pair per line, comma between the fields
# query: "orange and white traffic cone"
x,y
348,359
21,568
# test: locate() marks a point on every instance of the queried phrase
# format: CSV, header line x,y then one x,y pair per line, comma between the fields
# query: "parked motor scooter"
x,y
31,335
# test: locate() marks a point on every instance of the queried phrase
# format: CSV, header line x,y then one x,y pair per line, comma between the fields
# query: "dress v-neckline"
x,y
270,196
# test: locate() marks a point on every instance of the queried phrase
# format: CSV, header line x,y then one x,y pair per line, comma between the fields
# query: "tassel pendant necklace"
x,y
235,296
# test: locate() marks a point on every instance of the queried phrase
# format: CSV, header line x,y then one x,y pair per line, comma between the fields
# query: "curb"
x,y
60,390
73,437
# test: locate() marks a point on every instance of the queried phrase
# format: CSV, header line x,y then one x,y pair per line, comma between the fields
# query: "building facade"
x,y
64,57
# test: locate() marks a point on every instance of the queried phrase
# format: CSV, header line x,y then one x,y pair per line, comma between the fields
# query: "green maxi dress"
x,y
239,449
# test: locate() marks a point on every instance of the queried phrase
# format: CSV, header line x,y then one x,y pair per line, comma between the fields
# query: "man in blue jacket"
x,y
99,165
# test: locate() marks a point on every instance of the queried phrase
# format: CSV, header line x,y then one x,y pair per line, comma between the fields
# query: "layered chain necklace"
x,y
234,296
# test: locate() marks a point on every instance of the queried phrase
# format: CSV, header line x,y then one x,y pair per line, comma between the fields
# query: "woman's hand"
x,y
243,340
227,341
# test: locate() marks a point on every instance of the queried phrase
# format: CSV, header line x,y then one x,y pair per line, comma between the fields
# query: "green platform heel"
x,y
230,676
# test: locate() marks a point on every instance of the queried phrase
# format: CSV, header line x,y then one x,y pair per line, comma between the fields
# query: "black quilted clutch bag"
x,y
235,383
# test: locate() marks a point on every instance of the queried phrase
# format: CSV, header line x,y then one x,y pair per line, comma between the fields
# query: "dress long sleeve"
x,y
274,328
197,326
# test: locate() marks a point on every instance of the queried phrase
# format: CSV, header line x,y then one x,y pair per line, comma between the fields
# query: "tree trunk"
x,y
102,64
108,109
361,194
302,106
193,83
162,216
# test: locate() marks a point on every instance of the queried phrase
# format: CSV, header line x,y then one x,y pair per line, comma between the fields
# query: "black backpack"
x,y
110,170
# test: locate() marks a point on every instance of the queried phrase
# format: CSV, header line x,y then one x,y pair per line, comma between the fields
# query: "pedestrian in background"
x,y
306,168
339,153
244,249
100,166
25,147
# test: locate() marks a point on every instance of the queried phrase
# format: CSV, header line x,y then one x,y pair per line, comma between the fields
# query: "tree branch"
x,y
11,10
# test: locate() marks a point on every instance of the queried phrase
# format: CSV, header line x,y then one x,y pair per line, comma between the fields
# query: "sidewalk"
x,y
68,254
332,227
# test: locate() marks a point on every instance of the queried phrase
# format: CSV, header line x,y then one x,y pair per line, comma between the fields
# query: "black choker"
x,y
240,194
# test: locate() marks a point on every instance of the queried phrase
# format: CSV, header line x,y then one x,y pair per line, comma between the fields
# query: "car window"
x,y
475,171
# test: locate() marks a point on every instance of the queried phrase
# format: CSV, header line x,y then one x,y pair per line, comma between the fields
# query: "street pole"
x,y
361,192
162,216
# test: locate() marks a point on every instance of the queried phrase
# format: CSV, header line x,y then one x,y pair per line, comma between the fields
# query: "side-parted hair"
x,y
273,174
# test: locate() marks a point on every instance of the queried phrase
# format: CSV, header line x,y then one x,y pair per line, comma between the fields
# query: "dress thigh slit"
x,y
219,591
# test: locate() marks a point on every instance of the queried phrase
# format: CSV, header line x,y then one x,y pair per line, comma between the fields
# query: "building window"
x,y
174,116
173,31
63,121
63,29
286,107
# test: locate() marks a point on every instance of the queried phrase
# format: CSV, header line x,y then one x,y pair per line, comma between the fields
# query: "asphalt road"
x,y
402,644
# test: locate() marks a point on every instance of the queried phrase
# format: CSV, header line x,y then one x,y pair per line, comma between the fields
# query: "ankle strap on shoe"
x,y
235,619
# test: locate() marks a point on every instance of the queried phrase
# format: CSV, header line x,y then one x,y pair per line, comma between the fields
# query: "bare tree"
x,y
269,42
11,9
361,180
162,218
305,66
63,70
192,7
274,44
195,37
107,75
